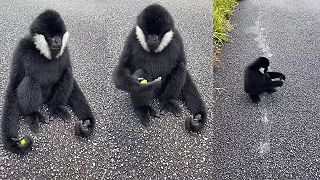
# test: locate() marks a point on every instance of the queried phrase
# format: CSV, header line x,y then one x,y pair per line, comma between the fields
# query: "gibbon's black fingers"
x,y
148,87
153,84
84,129
21,145
194,124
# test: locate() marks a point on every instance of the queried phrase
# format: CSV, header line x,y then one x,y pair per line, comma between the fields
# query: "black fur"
x,y
169,64
36,80
255,82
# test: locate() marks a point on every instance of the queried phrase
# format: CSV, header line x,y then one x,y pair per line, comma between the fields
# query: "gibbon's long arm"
x,y
196,106
10,114
82,110
122,76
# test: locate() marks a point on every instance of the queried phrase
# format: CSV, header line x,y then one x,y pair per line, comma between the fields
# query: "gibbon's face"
x,y
49,34
154,29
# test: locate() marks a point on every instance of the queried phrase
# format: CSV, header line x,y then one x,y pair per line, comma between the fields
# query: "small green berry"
x,y
23,141
143,82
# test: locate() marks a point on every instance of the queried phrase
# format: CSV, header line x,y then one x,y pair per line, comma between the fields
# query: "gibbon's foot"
x,y
33,120
154,113
144,114
172,106
193,124
197,119
255,99
60,111
23,143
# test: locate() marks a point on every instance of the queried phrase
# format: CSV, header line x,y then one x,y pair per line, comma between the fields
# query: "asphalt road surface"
x,y
280,137
120,148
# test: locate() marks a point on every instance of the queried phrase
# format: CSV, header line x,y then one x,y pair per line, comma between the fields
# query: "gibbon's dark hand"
x,y
283,77
141,84
145,86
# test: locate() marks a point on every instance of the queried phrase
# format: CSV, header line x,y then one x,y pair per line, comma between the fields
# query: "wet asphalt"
x,y
280,137
120,147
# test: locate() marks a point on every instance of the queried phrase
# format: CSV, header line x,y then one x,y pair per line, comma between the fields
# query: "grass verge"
x,y
222,9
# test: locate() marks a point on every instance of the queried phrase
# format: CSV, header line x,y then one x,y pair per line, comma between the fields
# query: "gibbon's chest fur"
x,y
47,72
155,64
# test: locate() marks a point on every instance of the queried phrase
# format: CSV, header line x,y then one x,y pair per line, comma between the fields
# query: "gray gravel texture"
x,y
280,137
120,148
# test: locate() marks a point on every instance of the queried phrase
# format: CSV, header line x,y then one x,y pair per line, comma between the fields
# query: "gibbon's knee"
x,y
29,95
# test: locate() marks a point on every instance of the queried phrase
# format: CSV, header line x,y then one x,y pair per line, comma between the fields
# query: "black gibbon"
x,y
256,82
153,64
41,73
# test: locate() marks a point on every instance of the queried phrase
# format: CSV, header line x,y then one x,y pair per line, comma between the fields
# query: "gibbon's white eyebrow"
x,y
141,38
65,39
42,45
165,41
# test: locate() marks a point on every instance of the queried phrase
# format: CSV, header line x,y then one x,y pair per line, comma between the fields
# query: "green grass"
x,y
222,9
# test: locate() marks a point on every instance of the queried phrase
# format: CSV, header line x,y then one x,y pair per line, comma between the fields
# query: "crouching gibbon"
x,y
153,65
41,73
256,82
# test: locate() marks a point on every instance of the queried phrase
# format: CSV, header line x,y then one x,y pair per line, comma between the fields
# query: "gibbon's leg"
x,y
276,84
141,105
62,91
30,99
175,83
274,75
143,114
273,85
80,107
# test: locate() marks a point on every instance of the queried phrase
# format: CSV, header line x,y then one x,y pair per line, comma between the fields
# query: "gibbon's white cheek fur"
x,y
164,42
141,38
65,39
42,45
